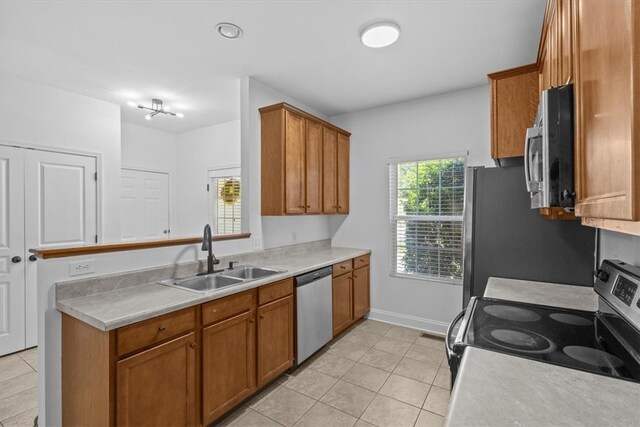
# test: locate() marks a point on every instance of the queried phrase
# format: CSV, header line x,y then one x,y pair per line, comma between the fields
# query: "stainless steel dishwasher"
x,y
314,311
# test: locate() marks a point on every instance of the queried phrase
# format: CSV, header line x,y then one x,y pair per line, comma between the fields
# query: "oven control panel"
x,y
618,284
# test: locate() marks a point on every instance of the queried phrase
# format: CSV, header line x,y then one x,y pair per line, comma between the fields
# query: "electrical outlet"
x,y
257,243
294,236
82,267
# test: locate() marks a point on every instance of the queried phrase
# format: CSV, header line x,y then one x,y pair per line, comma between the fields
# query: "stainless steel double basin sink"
x,y
222,279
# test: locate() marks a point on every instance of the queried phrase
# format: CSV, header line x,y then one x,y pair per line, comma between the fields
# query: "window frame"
x,y
394,218
212,196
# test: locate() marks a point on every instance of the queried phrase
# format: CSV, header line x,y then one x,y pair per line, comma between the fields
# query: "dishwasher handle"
x,y
312,276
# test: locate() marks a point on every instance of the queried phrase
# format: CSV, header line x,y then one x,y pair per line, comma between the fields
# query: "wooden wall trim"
x,y
284,105
120,247
548,13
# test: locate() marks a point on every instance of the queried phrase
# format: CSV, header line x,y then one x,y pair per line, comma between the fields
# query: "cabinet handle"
x,y
261,316
308,206
355,277
162,328
301,206
343,267
193,345
251,321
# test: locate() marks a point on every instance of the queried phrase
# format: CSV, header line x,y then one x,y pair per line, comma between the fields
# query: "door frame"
x,y
169,188
78,152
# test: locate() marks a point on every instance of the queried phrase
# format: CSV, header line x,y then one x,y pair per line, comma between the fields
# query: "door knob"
x,y
33,258
16,259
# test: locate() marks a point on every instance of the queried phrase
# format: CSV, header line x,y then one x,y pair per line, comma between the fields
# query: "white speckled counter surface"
x,y
120,307
553,294
494,389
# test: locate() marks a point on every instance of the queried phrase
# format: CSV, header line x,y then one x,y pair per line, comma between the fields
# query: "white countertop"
x,y
497,389
121,307
553,294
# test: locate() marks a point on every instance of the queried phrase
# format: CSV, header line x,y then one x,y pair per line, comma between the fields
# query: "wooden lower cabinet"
x,y
360,292
342,303
158,386
228,364
275,339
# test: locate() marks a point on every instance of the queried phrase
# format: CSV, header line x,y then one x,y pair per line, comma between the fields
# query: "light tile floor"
x,y
374,374
18,389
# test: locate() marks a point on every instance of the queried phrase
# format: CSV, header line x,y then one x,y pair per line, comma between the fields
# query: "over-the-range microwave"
x,y
548,152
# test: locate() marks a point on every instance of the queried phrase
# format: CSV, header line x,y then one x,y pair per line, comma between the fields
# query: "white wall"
x,y
453,122
199,151
153,150
275,231
36,115
620,246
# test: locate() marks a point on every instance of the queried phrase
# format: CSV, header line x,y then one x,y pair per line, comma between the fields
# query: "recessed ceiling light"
x,y
380,34
228,30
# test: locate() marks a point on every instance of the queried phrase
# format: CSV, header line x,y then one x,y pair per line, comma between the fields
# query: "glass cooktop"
x,y
570,338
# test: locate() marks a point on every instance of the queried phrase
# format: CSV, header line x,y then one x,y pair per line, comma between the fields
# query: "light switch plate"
x,y
257,243
82,267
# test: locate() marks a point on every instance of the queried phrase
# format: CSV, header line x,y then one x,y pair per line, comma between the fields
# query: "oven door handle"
x,y
527,174
447,338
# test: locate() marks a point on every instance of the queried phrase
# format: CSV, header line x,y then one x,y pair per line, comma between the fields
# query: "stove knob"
x,y
638,303
602,275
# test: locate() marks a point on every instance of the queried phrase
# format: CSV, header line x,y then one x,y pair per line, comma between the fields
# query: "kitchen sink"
x,y
216,281
248,272
202,284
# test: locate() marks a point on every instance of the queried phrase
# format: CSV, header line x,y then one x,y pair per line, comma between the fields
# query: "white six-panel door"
x,y
12,250
48,200
144,205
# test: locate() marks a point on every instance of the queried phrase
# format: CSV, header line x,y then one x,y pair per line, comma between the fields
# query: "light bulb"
x,y
132,104
180,115
147,117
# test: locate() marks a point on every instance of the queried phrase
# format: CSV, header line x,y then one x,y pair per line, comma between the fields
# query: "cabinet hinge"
x,y
95,176
96,238
207,187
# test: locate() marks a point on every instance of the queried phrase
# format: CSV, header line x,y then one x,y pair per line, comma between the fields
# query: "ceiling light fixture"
x,y
229,30
380,34
157,107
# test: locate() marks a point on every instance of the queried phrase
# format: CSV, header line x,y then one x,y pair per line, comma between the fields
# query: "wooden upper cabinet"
x,y
330,171
294,151
303,163
314,151
566,20
514,102
607,96
158,386
343,173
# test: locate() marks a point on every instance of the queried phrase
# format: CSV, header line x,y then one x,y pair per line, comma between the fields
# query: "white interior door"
x,y
12,250
60,210
144,205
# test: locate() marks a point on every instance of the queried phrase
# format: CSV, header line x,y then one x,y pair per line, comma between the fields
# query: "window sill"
x,y
456,282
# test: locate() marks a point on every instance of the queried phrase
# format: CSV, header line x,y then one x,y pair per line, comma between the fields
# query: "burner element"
x,y
519,340
570,319
593,356
514,314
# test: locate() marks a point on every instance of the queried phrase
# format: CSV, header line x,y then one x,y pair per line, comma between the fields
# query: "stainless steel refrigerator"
x,y
503,237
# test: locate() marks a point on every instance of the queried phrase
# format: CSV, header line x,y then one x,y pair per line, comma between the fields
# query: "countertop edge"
x,y
64,306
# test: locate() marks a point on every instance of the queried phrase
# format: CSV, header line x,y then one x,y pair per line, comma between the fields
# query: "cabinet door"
x,y
314,167
294,163
228,364
158,386
360,292
275,339
342,303
343,174
607,115
329,171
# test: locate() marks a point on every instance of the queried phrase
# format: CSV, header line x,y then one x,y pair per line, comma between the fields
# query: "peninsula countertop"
x,y
121,307
499,389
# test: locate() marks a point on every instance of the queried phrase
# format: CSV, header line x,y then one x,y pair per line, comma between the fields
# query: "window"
x,y
426,202
224,201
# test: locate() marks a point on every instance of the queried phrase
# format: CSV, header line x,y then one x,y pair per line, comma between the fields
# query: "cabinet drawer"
x,y
342,267
361,261
224,308
140,335
275,291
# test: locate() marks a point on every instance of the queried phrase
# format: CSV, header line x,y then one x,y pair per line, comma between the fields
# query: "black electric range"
x,y
606,342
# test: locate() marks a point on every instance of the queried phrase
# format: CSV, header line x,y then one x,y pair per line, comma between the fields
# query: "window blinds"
x,y
426,203
226,205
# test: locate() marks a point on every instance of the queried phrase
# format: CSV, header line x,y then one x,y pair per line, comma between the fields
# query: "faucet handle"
x,y
231,264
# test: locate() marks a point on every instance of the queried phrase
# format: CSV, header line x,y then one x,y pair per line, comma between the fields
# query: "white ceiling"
x,y
117,51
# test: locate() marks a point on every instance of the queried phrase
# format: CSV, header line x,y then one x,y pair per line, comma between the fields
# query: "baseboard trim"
x,y
434,327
